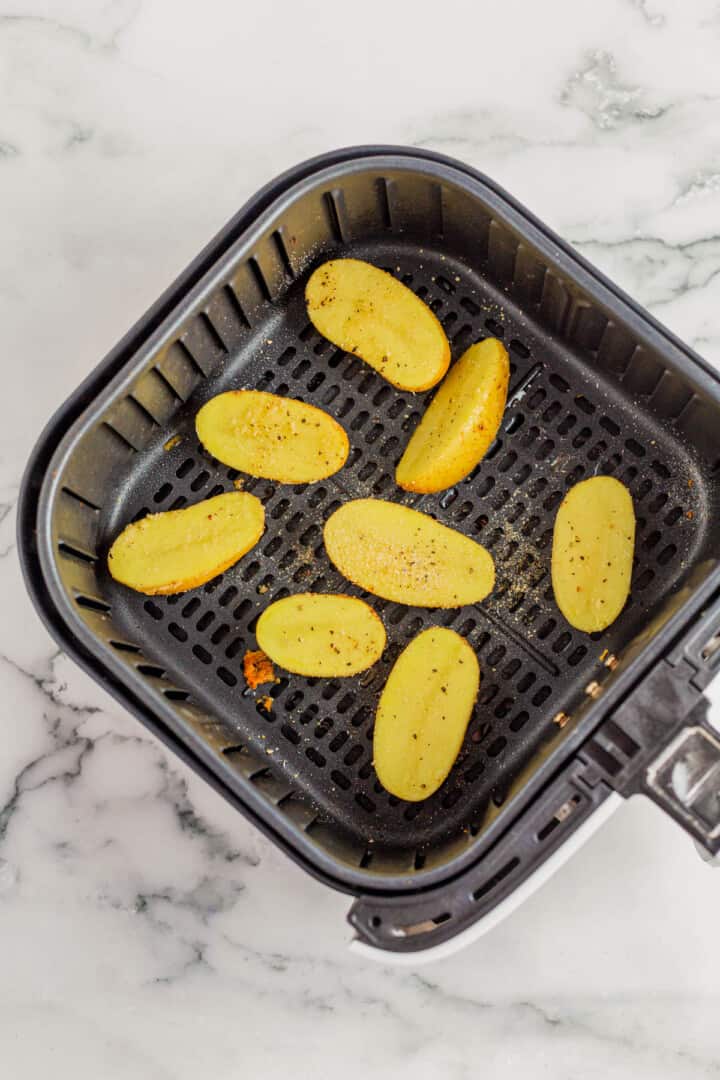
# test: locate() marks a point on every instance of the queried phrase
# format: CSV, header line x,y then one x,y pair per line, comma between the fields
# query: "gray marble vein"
x,y
598,90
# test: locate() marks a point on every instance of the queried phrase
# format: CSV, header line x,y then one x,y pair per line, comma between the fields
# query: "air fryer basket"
x,y
596,388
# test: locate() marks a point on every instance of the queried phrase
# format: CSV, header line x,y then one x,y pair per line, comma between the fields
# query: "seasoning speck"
x,y
258,668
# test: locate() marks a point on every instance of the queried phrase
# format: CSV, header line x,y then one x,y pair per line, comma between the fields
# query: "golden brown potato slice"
x,y
366,311
320,634
406,556
424,712
592,554
180,549
460,423
271,436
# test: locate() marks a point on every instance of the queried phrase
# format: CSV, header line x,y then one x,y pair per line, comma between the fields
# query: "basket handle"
x,y
659,742
685,780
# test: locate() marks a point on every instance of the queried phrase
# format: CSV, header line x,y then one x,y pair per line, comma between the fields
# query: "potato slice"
x,y
406,556
320,634
460,423
592,554
180,549
424,712
366,311
271,436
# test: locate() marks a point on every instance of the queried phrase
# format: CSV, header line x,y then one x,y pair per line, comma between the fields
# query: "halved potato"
x,y
180,549
320,634
406,556
460,423
275,437
368,312
592,554
424,712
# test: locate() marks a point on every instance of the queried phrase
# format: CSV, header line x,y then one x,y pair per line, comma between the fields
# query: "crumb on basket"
x,y
266,703
172,442
239,483
257,668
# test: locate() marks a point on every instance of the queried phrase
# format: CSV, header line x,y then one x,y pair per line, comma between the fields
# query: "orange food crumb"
x,y
257,668
239,483
172,442
266,703
690,514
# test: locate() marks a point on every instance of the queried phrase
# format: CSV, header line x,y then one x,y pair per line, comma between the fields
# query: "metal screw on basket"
x,y
593,690
561,719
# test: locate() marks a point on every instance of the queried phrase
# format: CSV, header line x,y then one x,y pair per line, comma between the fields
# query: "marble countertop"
x,y
146,930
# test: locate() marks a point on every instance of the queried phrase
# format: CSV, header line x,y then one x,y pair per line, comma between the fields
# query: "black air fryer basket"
x,y
564,719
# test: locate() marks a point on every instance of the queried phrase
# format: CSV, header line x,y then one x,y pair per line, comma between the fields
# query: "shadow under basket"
x,y
563,718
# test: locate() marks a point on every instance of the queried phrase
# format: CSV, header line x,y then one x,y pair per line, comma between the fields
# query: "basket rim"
x,y
41,484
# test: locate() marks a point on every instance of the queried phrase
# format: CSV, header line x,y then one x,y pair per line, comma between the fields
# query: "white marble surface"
x,y
146,931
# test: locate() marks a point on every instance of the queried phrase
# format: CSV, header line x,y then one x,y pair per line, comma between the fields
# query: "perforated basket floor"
x,y
564,422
